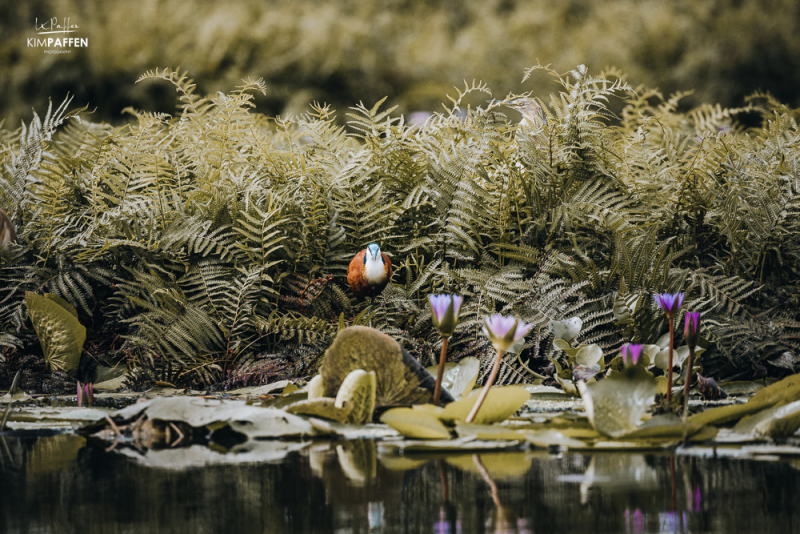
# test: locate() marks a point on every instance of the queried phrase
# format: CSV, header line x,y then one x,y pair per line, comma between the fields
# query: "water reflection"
x,y
64,484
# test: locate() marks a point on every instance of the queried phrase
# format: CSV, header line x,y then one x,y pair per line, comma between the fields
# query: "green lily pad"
x,y
777,422
459,378
785,391
567,329
415,423
550,438
357,396
491,432
324,407
590,356
616,404
500,404
565,347
59,331
315,387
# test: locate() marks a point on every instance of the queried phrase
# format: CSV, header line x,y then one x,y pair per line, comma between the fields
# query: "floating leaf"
x,y
59,331
590,356
777,422
616,404
491,432
415,423
357,396
500,404
551,438
320,407
459,378
567,329
400,379
565,347
315,387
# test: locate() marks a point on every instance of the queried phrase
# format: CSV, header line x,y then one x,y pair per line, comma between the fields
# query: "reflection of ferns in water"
x,y
216,242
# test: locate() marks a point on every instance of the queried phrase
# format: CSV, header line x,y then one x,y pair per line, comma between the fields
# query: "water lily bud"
x,y
445,310
691,328
670,303
631,354
503,331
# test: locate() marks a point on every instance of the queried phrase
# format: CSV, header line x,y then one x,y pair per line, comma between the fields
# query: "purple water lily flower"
x,y
669,302
691,328
503,331
445,310
631,354
85,394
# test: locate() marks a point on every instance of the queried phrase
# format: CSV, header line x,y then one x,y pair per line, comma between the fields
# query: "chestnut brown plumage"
x,y
369,272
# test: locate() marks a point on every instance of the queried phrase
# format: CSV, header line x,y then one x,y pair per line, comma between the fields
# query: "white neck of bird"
x,y
373,270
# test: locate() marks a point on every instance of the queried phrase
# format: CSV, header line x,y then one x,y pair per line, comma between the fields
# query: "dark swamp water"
x,y
62,483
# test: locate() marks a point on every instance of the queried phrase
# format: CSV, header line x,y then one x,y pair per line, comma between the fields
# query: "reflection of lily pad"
x,y
459,378
616,404
500,404
499,465
415,423
358,460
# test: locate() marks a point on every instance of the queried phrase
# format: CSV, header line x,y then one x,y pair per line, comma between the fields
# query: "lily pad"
x,y
460,444
777,422
415,423
357,396
565,347
590,356
400,379
491,432
616,404
459,378
320,407
550,438
59,331
500,404
567,329
315,387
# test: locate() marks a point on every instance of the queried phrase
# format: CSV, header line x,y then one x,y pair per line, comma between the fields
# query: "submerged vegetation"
x,y
211,247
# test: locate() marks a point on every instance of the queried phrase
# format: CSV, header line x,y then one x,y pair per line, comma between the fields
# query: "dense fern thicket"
x,y
414,51
211,246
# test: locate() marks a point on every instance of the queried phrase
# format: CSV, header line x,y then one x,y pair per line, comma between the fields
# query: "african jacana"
x,y
369,272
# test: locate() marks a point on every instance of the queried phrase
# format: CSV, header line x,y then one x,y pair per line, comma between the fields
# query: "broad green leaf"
x,y
616,404
63,303
320,407
777,422
357,396
565,347
488,432
500,404
315,387
459,378
589,356
548,438
415,423
59,331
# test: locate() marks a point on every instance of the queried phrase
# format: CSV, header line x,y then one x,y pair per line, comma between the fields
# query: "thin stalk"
x,y
485,390
437,391
8,407
688,383
669,370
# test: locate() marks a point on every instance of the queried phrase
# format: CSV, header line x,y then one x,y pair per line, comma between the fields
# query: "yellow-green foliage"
x,y
412,50
217,235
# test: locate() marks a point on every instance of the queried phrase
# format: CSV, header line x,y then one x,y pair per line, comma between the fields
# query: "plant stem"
x,y
669,370
485,390
688,383
437,391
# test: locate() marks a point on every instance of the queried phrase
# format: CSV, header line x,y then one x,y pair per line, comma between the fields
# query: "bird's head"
x,y
373,252
531,111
